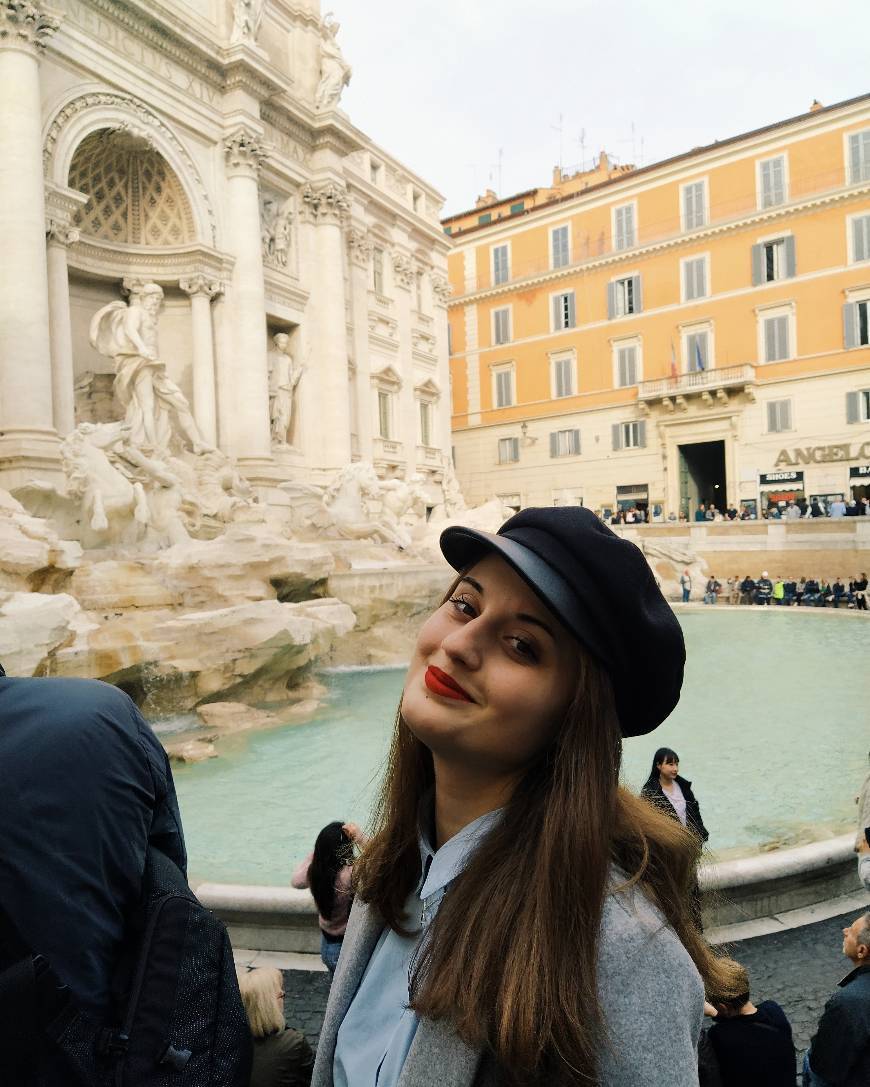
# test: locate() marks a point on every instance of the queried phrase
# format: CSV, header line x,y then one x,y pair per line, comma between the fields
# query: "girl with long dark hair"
x,y
327,872
520,918
672,793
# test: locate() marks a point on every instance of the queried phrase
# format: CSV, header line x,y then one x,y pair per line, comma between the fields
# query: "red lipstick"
x,y
440,683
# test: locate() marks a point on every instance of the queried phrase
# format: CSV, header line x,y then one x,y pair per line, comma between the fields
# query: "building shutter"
x,y
850,325
861,238
641,434
611,301
772,417
638,304
557,312
790,257
852,415
572,318
576,434
785,415
515,449
616,432
554,443
757,265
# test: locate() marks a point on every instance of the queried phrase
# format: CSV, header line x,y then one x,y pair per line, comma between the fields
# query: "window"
x,y
771,181
694,279
501,325
448,230
856,324
694,205
500,264
564,443
517,208
861,237
378,270
623,297
384,414
425,422
503,385
482,220
563,311
559,241
775,330
773,260
629,435
859,157
508,450
858,406
623,227
626,365
778,416
697,352
563,376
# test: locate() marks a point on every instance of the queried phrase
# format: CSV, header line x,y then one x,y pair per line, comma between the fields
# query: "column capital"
x,y
403,268
60,232
201,284
361,246
327,203
441,288
245,151
24,25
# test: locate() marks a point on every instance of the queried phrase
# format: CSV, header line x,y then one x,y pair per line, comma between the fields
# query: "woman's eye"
x,y
525,648
463,606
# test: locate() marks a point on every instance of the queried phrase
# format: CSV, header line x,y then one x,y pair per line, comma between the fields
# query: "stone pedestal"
x,y
28,440
324,207
243,387
202,290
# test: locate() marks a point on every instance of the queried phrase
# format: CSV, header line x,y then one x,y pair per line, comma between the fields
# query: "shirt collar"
x,y
863,969
440,867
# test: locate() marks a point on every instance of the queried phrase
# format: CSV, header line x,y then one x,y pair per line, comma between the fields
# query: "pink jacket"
x,y
337,923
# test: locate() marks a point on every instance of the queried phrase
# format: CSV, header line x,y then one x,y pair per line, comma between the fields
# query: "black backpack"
x,y
180,1020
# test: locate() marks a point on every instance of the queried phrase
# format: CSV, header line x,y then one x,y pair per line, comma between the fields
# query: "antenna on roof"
x,y
581,140
559,128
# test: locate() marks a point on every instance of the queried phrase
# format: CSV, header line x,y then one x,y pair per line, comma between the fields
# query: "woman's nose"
x,y
463,644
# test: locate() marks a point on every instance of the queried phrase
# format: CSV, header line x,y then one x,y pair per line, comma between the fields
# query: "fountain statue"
x,y
335,72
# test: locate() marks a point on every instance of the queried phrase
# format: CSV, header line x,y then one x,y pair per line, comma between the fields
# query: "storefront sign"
x,y
824,454
781,477
633,490
862,471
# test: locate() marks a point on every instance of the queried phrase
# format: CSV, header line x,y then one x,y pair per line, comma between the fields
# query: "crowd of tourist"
x,y
773,511
766,591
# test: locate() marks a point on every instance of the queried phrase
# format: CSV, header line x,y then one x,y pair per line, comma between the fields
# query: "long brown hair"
x,y
511,956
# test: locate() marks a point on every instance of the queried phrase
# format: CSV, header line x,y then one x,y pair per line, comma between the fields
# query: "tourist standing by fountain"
x,y
672,793
327,871
504,926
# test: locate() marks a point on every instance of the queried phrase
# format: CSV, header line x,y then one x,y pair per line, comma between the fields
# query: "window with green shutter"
x,y
861,238
694,205
559,242
776,345
859,157
695,278
500,264
517,208
482,220
504,388
626,366
501,325
564,315
563,377
772,175
623,227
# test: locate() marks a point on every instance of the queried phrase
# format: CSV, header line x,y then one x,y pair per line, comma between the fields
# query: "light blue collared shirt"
x,y
376,1034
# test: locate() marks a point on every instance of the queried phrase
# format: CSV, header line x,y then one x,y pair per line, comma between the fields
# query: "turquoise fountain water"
x,y
772,729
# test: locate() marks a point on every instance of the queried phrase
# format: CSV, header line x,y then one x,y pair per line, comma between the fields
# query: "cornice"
x,y
622,256
164,266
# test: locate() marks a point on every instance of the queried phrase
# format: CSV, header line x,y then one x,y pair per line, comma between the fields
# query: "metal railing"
x,y
697,381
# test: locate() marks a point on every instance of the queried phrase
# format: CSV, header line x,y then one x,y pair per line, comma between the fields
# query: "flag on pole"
x,y
673,361
699,361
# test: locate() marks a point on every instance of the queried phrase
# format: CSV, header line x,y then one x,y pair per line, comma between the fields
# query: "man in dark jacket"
x,y
85,787
839,1054
763,589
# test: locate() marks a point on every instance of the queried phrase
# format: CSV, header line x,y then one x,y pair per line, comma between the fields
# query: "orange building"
x,y
693,331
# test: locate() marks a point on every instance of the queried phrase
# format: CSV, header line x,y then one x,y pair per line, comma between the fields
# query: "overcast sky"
x,y
446,86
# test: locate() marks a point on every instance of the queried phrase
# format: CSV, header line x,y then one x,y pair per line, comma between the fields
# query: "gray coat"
x,y
650,991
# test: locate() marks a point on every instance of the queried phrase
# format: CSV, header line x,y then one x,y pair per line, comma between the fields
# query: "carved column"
x,y
360,247
243,390
27,435
441,291
323,208
202,290
408,421
59,236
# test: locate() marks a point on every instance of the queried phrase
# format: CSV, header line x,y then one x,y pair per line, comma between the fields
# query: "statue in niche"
x,y
275,231
247,16
284,375
335,72
156,409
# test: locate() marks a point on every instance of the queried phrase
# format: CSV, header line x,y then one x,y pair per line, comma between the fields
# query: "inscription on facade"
x,y
823,454
143,55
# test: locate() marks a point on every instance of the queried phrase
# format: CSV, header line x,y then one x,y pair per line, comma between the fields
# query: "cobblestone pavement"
x,y
799,969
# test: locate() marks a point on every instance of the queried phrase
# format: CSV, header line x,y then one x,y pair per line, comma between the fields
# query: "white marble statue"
x,y
247,16
156,409
284,375
335,72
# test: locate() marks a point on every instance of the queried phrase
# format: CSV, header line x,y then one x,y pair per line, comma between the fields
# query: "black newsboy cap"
x,y
602,589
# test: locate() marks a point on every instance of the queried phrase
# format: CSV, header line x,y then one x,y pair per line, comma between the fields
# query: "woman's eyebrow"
x,y
526,618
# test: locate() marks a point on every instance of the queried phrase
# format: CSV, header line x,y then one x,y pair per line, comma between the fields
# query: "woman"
x,y
673,794
859,588
282,1057
517,912
327,871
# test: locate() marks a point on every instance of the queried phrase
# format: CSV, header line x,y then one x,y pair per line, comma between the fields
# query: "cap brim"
x,y
462,547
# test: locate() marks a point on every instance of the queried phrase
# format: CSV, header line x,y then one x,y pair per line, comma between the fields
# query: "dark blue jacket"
x,y
84,787
840,1051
